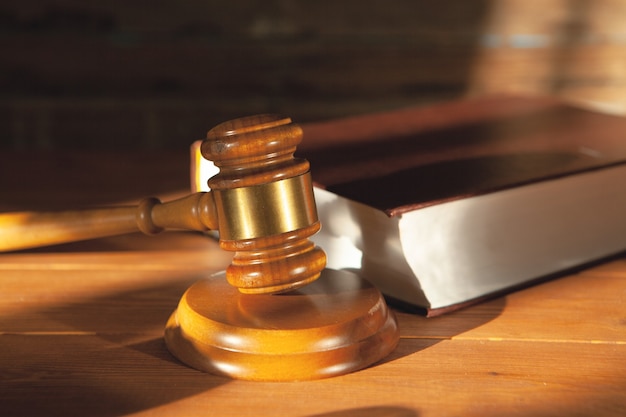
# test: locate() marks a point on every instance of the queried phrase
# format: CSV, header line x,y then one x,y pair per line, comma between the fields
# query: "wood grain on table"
x,y
81,333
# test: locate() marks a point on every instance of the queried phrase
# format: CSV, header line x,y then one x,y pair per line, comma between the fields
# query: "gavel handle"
x,y
23,230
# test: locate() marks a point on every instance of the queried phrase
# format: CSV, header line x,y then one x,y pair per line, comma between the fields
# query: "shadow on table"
x,y
107,355
419,332
112,361
382,411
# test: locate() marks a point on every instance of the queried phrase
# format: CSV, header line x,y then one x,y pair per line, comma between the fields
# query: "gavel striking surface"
x,y
336,325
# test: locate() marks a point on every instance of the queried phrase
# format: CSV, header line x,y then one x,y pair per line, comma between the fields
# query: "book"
x,y
446,205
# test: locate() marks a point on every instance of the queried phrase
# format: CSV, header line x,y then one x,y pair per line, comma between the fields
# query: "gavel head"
x,y
265,205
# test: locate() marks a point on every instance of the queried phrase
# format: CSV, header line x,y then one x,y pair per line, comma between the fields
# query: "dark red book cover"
x,y
458,149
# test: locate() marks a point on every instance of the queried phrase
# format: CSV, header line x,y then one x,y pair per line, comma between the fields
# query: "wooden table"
x,y
81,325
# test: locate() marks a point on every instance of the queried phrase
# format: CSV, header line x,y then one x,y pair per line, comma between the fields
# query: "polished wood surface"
x,y
81,327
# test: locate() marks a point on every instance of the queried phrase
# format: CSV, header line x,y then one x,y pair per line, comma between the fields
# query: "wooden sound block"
x,y
335,325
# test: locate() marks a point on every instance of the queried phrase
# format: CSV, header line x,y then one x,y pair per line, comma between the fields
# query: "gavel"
x,y
261,202
323,323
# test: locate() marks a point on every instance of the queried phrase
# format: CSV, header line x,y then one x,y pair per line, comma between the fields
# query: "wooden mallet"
x,y
262,204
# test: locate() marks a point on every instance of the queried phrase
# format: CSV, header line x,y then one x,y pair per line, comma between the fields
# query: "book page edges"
x,y
459,252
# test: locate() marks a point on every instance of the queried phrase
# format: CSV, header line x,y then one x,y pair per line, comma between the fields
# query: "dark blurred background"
x,y
156,74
